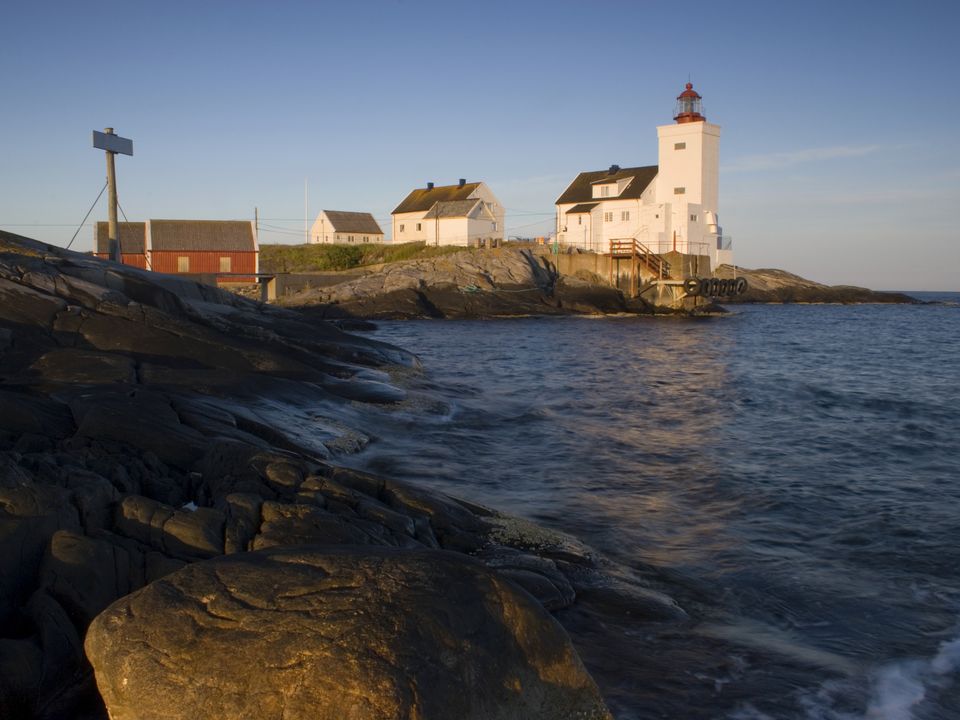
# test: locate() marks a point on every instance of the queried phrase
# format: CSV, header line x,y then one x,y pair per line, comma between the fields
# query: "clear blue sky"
x,y
840,151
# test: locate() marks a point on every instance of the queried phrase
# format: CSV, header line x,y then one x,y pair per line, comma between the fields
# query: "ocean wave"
x,y
906,689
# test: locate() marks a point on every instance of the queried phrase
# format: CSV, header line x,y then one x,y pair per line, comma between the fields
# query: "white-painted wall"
x,y
689,158
409,231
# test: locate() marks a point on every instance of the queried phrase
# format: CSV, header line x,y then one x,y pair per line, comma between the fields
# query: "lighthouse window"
x,y
693,218
680,146
679,191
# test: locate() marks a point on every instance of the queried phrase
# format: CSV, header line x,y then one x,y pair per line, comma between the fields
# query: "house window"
x,y
494,226
680,146
418,227
225,264
183,264
608,217
693,218
679,191
605,191
624,215
657,217
366,238
349,238
579,219
401,228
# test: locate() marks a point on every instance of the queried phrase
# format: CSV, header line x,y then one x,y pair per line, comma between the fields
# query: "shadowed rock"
x,y
148,423
315,633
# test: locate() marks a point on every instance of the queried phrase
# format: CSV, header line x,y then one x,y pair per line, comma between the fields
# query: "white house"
x,y
671,206
465,214
339,226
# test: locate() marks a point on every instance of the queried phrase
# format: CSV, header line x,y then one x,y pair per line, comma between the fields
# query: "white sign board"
x,y
112,143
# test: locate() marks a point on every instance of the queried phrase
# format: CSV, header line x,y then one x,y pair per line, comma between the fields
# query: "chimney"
x,y
430,186
614,169
463,181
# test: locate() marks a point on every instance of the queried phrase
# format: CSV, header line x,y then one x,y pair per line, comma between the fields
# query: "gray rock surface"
x,y
780,286
148,423
337,633
466,285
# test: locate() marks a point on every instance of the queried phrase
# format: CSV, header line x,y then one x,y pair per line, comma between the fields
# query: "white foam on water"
x,y
900,690
901,687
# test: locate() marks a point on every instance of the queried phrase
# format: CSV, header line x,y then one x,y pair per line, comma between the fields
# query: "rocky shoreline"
x,y
179,540
512,282
504,283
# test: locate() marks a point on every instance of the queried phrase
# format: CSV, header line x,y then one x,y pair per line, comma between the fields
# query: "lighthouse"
x,y
671,207
688,179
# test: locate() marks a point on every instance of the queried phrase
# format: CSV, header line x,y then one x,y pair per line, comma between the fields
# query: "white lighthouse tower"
x,y
688,181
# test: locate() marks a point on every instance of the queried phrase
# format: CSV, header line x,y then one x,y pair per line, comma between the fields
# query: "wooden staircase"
x,y
638,254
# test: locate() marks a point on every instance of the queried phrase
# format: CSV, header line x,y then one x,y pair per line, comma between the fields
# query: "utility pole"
x,y
306,238
112,144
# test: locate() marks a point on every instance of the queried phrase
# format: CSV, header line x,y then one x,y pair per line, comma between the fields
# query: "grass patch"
x,y
318,258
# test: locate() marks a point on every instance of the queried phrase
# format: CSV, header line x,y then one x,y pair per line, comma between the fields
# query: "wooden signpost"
x,y
112,144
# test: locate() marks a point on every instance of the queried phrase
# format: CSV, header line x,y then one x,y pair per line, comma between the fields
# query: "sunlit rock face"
x,y
339,633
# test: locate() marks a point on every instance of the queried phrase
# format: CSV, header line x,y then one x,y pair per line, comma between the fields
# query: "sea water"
x,y
789,474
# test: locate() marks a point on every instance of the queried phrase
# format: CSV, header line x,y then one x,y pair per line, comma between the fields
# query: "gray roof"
x,y
582,208
453,208
356,222
229,235
422,199
132,238
581,190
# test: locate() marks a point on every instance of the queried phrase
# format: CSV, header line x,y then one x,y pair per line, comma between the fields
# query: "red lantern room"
x,y
689,107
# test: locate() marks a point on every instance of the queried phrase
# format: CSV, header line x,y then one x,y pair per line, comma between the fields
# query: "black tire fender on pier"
x,y
742,285
692,286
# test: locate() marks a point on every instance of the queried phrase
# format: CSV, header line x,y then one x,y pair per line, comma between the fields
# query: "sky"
x,y
840,156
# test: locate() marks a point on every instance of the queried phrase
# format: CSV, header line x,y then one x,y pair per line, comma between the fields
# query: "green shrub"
x,y
318,258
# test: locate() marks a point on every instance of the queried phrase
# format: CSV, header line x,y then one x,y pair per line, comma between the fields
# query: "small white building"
x,y
340,226
466,214
671,206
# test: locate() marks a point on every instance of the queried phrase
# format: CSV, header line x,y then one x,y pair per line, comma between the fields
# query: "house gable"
x,y
635,180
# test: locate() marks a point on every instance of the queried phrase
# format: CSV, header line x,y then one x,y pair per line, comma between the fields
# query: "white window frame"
x,y
624,215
